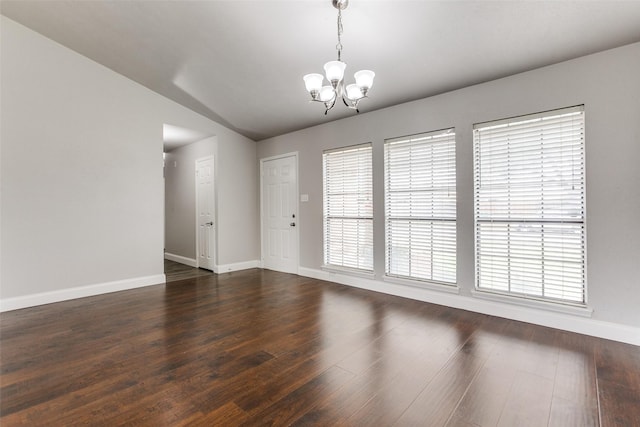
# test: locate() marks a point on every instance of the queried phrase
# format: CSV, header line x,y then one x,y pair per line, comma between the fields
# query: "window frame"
x,y
439,226
362,264
543,218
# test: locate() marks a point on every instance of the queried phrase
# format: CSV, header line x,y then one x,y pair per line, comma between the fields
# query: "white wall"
x,y
237,206
607,83
81,173
180,197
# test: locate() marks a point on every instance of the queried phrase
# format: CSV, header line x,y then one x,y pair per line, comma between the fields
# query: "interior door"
x,y
280,214
205,209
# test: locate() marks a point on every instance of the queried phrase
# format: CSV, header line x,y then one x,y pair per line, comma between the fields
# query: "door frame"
x,y
293,154
215,211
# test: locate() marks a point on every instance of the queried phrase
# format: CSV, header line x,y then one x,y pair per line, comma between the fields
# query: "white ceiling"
x,y
241,63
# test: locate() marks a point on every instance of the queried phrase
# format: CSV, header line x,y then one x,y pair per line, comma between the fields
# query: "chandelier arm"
x,y
329,107
353,105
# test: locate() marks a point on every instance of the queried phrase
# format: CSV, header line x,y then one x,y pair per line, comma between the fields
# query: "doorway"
x,y
182,148
279,212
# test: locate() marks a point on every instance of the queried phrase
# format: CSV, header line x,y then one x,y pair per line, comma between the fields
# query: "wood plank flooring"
x,y
259,347
175,271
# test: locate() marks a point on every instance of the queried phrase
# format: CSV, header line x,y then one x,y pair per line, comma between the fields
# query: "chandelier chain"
x,y
339,45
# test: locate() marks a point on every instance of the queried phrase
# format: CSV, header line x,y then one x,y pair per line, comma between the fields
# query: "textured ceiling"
x,y
241,63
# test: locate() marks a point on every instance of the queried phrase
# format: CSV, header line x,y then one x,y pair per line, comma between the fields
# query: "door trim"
x,y
215,212
293,154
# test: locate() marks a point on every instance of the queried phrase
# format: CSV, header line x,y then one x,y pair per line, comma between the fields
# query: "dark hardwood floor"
x,y
175,271
258,347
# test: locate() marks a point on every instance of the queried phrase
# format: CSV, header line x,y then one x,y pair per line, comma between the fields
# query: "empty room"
x,y
319,213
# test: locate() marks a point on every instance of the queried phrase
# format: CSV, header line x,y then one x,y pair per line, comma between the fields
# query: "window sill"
x,y
576,310
434,286
349,271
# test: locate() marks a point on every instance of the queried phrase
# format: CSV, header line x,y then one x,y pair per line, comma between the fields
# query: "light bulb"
x,y
353,92
334,70
327,94
313,82
364,80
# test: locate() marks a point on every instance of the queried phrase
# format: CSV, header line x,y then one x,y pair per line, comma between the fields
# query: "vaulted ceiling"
x,y
241,63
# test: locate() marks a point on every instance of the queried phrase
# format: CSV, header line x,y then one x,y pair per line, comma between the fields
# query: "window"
x,y
530,207
420,207
348,208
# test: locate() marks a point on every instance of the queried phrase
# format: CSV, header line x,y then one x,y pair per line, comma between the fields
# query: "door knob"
x,y
209,224
293,224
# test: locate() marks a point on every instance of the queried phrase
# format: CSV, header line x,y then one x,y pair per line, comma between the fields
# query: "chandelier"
x,y
334,71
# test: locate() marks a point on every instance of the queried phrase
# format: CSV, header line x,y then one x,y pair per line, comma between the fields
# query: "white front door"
x,y
205,212
279,182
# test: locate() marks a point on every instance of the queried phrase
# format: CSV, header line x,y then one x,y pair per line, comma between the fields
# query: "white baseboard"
x,y
237,266
191,262
222,268
32,300
567,322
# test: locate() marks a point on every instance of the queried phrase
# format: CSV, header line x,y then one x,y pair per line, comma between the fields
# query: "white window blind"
x,y
420,207
348,208
530,206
